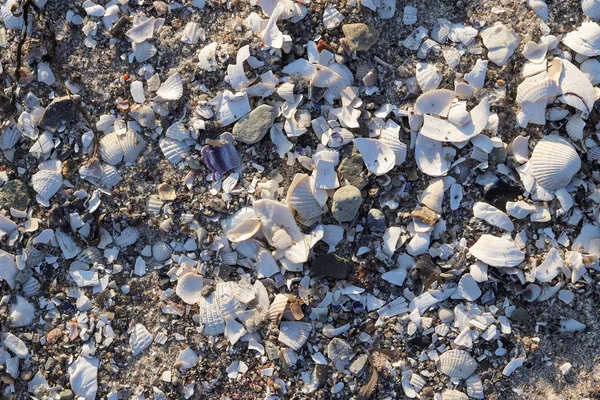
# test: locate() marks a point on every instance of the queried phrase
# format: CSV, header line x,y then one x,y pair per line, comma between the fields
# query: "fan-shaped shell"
x,y
378,156
497,251
178,131
244,230
110,176
575,126
171,89
301,199
435,102
31,286
90,256
10,137
132,144
189,287
278,306
143,51
46,183
161,251
475,387
139,339
554,162
433,196
593,154
591,68
457,364
294,334
214,308
128,237
534,89
173,150
432,158
428,77
45,73
110,149
154,205
390,136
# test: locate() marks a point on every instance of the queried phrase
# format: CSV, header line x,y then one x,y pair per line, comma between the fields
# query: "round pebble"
x,y
254,126
346,202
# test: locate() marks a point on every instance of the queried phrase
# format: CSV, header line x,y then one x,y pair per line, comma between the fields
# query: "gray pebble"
x,y
361,37
352,167
144,115
254,126
60,110
346,202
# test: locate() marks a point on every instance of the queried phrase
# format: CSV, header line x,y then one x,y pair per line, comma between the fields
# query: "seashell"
x,y
178,131
452,394
534,52
390,136
245,291
585,40
274,216
171,89
161,251
324,77
300,198
266,265
21,312
154,205
575,126
173,150
294,333
67,245
110,149
31,287
554,114
500,41
221,155
476,77
475,387
142,30
433,196
244,230
191,33
458,114
290,266
278,306
497,251
214,308
12,15
541,9
332,18
139,339
325,176
90,256
189,287
428,77
552,266
166,192
110,176
137,92
208,57
456,195
519,209
591,8
432,158
591,69
46,183
378,157
186,359
530,69
144,51
45,74
576,88
281,239
492,216
444,131
410,15
229,257
132,145
457,364
554,162
441,30
417,382
593,154
128,237
435,102
9,137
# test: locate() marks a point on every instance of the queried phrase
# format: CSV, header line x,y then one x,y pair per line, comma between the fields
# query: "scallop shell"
x,y
154,205
214,308
90,256
128,237
457,364
554,162
229,257
10,137
378,157
171,89
132,144
428,77
139,339
278,306
575,126
433,196
281,240
300,198
294,334
8,269
161,251
110,176
591,8
143,51
593,154
591,68
12,15
290,266
585,40
173,150
534,89
46,183
189,287
110,149
178,131
142,30
437,102
497,251
475,387
31,286
390,136
266,265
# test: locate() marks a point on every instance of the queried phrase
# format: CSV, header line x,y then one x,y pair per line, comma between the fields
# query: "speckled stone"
x,y
13,194
346,202
361,37
376,220
352,167
254,126
60,110
144,115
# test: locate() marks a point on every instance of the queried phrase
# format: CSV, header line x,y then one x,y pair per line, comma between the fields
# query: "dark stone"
x,y
351,168
500,193
13,194
224,271
330,266
61,110
376,220
520,315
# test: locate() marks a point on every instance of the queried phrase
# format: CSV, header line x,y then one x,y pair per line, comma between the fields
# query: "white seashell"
x,y
591,69
161,251
552,266
534,52
9,137
585,40
154,205
441,30
290,266
519,209
444,131
575,126
271,35
458,114
475,387
142,30
300,198
12,15
390,136
419,244
214,308
594,154
281,240
187,359
512,366
189,287
137,92
378,157
67,245
46,183
45,73
22,312
144,51
541,9
266,266
83,376
410,15
492,216
417,382
278,306
396,276
432,158
173,150
456,195
128,237
324,77
191,33
31,287
325,176
332,18
428,77
500,41
208,57
554,162
171,89
139,339
530,69
591,8
576,88
294,334
519,148
457,364
110,149
245,291
433,196
178,131
110,176
453,394
497,251
556,114
476,77
435,102
244,230
90,256
467,288
132,144
229,257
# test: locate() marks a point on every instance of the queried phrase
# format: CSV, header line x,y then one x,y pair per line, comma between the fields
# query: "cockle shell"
x,y
575,126
9,137
128,237
110,176
278,306
46,183
554,162
428,77
475,387
189,287
214,308
457,364
294,333
161,251
378,157
435,102
127,147
139,339
173,150
300,198
433,196
143,51
171,89
497,251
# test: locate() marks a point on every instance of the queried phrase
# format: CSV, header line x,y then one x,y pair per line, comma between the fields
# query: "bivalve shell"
x,y
591,68
497,251
378,157
46,183
300,198
171,89
390,136
161,251
189,287
475,387
294,334
428,77
591,8
457,364
437,102
554,162
128,237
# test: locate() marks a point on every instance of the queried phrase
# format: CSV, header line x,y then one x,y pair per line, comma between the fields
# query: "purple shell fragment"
x,y
220,155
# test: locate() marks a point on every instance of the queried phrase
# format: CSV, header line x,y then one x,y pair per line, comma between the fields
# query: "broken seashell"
x,y
214,308
475,387
390,136
378,157
300,198
22,312
591,69
46,183
128,237
492,216
221,155
534,52
435,102
428,77
575,126
433,196
139,339
294,334
585,40
476,77
432,158
189,287
497,251
457,364
278,306
554,162
324,77
171,89
552,266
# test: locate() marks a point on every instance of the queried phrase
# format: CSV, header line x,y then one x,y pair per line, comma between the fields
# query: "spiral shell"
x,y
457,364
554,162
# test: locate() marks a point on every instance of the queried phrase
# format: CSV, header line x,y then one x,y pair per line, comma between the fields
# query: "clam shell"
x,y
593,154
46,183
12,15
161,251
189,287
223,157
554,162
171,89
476,77
417,382
278,306
457,364
428,77
591,69
214,308
132,145
534,89
139,339
173,150
266,265
300,198
378,157
45,73
178,131
142,30
577,91
475,387
143,51
585,40
432,158
492,216
575,126
9,137
591,8
433,196
552,266
390,136
497,251
458,114
435,102
31,287
110,176
324,77
128,237
325,176
290,266
229,257
110,149
294,334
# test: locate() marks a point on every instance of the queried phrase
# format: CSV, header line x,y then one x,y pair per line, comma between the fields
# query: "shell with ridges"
x,y
428,77
110,149
173,150
189,287
554,162
161,251
433,196
390,135
575,125
128,237
9,137
457,364
278,306
171,89
110,176
46,183
475,387
497,251
300,198
294,334
132,144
